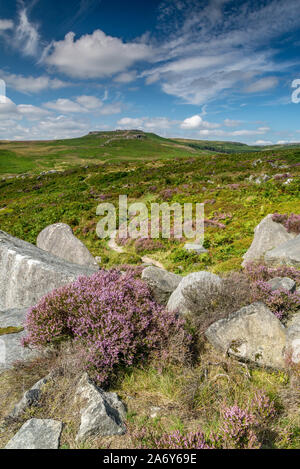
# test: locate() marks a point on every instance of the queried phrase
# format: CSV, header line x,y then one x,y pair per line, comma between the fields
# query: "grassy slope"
x,y
28,205
37,156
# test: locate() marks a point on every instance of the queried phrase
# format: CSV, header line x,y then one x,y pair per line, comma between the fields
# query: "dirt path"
x,y
146,259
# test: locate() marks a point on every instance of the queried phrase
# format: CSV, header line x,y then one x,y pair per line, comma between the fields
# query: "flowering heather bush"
x,y
111,316
291,223
281,302
260,272
239,429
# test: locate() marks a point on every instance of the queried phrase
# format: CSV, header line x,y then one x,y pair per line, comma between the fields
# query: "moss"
x,y
10,330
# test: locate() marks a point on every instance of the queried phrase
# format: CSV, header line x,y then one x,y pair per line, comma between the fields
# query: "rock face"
x,y
267,235
27,273
285,254
191,292
30,398
12,351
102,413
293,339
252,334
13,317
282,283
37,434
161,282
58,239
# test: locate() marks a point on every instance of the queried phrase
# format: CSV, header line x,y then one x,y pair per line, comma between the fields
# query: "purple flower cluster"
x,y
111,316
291,223
281,302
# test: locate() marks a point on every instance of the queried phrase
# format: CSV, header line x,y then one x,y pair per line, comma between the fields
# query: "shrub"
x,y
281,302
110,316
238,429
291,223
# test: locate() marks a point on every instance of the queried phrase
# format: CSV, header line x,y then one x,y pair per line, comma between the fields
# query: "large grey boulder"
x,y
252,334
286,254
282,283
267,235
27,273
192,292
37,434
13,317
59,240
30,398
11,350
161,282
102,413
293,339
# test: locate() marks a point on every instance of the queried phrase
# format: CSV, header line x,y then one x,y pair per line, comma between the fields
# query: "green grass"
x,y
117,146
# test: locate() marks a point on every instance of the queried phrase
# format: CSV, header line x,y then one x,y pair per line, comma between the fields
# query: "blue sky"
x,y
215,69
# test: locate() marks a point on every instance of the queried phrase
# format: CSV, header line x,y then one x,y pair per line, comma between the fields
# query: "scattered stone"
x,y
59,240
197,248
154,412
161,282
37,434
27,273
192,290
261,179
282,283
287,253
252,334
267,235
30,398
102,413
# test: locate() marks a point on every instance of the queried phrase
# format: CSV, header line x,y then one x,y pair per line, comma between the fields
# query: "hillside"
x,y
20,157
233,203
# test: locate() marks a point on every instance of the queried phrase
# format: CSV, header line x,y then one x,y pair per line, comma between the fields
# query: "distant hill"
x,y
17,157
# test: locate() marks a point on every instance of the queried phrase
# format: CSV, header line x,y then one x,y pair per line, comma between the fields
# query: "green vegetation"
x,y
233,204
151,169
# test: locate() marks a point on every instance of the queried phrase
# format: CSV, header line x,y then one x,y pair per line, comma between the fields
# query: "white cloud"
x,y
8,110
126,77
65,106
148,124
31,84
263,142
231,123
32,112
89,102
263,84
100,55
6,24
83,104
234,133
196,122
213,49
130,122
27,37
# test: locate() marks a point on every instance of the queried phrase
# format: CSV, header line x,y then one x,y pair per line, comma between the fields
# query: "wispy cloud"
x,y
216,46
27,37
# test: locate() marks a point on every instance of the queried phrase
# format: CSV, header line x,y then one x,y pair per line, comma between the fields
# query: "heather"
x,y
112,319
281,302
290,222
239,428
